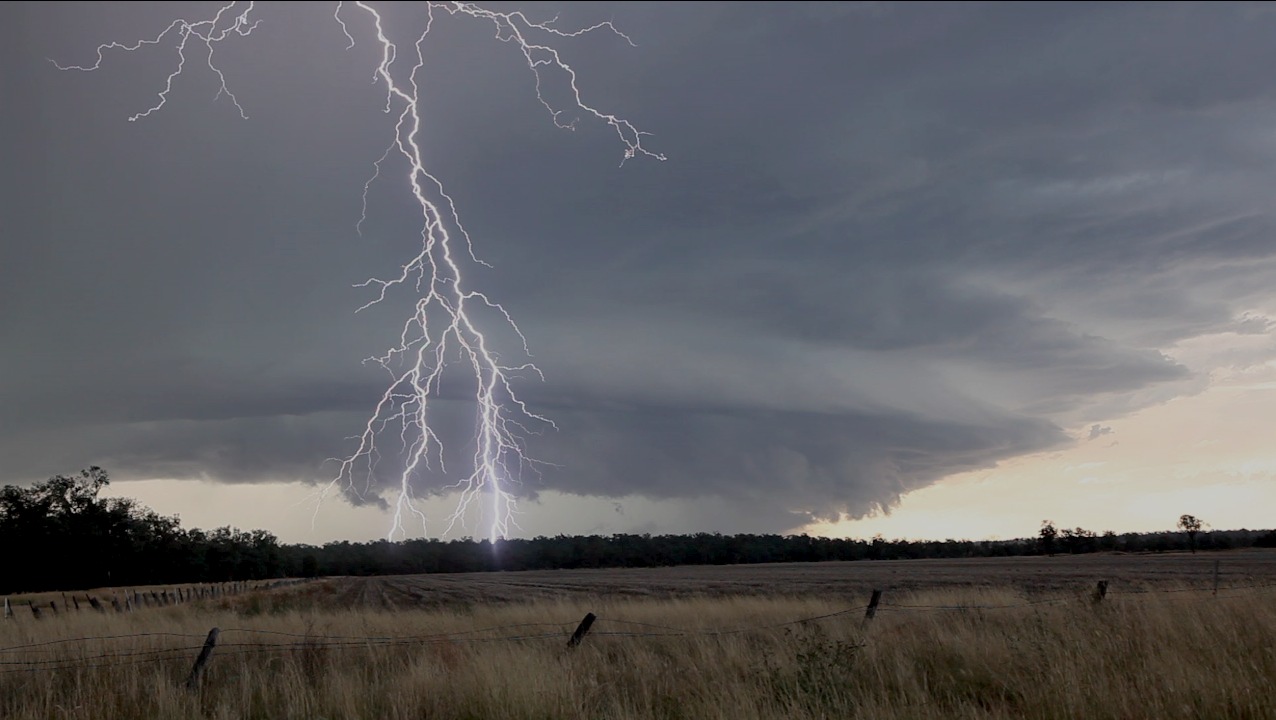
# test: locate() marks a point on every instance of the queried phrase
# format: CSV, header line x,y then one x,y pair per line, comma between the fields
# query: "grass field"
x,y
850,580
953,639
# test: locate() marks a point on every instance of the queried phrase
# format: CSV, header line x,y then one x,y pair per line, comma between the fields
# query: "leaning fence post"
x,y
93,602
581,630
192,681
870,612
34,610
75,602
1100,591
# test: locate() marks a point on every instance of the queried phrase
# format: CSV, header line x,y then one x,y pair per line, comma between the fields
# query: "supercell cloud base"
x,y
972,265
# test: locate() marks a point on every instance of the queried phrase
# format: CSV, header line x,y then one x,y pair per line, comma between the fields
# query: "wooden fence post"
x,y
34,610
1100,591
75,602
53,605
871,611
93,603
8,611
582,630
192,681
1216,576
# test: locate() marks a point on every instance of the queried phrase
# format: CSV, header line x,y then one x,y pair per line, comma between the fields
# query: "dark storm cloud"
x,y
892,242
864,460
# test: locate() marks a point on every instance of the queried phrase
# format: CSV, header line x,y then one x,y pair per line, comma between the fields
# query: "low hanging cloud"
x,y
890,245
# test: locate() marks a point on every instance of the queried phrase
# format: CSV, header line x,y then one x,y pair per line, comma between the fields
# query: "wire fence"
x,y
91,652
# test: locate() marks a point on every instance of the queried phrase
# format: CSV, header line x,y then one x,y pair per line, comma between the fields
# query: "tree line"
x,y
60,534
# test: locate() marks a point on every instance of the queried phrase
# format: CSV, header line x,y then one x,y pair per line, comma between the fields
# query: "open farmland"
x,y
852,581
1013,638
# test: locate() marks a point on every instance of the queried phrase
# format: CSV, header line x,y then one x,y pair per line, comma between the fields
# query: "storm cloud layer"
x,y
890,243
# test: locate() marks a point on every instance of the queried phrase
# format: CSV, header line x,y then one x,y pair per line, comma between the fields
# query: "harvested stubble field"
x,y
1013,638
852,581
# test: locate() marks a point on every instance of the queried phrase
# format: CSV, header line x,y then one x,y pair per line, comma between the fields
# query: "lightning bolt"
x,y
444,323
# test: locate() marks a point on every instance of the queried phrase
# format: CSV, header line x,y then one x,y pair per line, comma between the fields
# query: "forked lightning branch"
x,y
444,330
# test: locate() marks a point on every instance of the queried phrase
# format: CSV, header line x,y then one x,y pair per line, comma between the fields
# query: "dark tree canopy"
x,y
1191,525
60,535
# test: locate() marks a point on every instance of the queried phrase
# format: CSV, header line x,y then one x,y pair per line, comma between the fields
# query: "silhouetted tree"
x,y
1191,525
1046,537
1108,541
1078,540
71,539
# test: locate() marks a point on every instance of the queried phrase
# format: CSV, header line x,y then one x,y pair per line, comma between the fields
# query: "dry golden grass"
x,y
1154,655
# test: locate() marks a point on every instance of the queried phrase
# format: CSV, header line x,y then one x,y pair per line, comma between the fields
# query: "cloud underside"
x,y
889,246
821,465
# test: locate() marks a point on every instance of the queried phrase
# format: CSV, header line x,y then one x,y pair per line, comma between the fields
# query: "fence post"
x,y
8,611
34,610
93,603
581,630
53,605
1216,576
1100,591
192,681
75,602
871,611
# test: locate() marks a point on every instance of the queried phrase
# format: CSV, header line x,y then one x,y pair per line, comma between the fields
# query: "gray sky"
x,y
891,243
